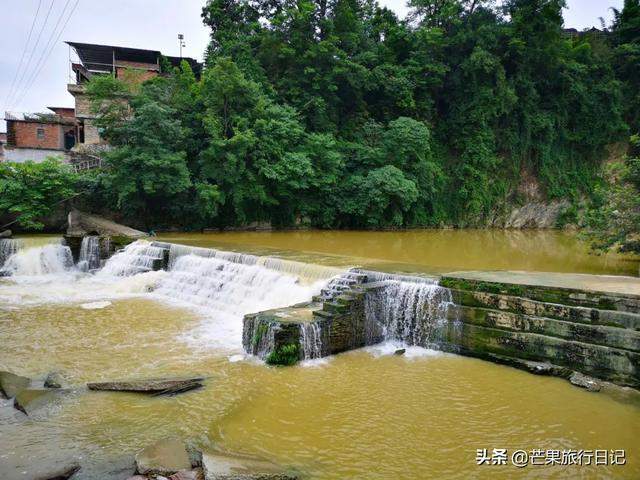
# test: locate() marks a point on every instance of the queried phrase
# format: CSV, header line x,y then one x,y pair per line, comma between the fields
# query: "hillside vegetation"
x,y
337,114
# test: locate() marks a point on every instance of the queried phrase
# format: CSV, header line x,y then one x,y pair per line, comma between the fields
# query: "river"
x,y
363,414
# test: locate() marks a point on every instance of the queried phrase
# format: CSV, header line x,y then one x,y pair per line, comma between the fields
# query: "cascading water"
x,y
47,259
259,338
231,288
138,257
415,313
311,340
89,254
305,272
8,246
224,286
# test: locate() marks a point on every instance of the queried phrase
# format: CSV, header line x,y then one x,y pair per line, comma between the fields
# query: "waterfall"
x,y
311,340
259,338
225,291
231,288
31,261
137,257
415,313
8,246
305,272
89,254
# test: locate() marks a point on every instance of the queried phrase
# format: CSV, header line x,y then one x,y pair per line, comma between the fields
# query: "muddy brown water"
x,y
363,414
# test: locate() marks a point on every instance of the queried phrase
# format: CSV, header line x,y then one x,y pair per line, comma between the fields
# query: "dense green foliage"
x,y
338,114
32,191
615,219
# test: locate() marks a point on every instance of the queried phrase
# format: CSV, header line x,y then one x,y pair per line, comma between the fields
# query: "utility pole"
x,y
181,42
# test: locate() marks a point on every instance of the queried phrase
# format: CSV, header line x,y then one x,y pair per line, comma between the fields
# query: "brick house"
x,y
36,136
128,64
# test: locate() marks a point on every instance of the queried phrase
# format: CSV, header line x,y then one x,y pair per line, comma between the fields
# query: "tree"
x,y
32,190
626,35
146,169
614,222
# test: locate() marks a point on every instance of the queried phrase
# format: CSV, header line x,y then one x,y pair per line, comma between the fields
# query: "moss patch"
x,y
287,354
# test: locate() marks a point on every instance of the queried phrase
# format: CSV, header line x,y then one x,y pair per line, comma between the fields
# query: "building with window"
x,y
128,64
70,132
36,136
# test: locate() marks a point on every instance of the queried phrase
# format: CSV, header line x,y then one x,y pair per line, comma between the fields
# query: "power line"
x,y
45,54
24,52
36,44
73,9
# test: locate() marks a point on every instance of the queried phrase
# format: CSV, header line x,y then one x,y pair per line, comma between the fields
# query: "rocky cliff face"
x,y
534,214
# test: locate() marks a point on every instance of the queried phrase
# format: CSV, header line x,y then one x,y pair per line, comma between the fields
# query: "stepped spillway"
x,y
282,309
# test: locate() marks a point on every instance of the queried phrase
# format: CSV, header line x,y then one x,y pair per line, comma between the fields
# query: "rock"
x,y
11,384
165,457
583,381
195,455
195,474
156,386
539,368
536,215
5,234
53,380
227,467
138,477
81,224
400,351
29,400
58,473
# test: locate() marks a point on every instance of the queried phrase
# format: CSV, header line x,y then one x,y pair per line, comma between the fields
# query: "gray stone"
x,y
535,215
165,457
63,472
29,400
195,474
81,224
53,380
228,467
11,384
583,381
158,386
5,234
195,455
400,351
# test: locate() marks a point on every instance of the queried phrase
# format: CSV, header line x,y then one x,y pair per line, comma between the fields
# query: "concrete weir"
x,y
552,324
546,323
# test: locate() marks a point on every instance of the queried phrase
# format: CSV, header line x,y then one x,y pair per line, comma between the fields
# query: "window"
x,y
40,133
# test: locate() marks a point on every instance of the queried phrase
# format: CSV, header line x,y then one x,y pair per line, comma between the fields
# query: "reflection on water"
x,y
365,414
432,251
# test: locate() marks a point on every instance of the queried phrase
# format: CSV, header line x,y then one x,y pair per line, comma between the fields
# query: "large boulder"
x,y
5,234
81,224
228,467
11,384
165,457
29,400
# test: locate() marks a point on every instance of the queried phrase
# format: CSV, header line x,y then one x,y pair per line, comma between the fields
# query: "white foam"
x,y
411,351
95,305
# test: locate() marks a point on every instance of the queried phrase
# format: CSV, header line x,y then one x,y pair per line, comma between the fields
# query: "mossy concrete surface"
x,y
542,319
274,335
605,292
